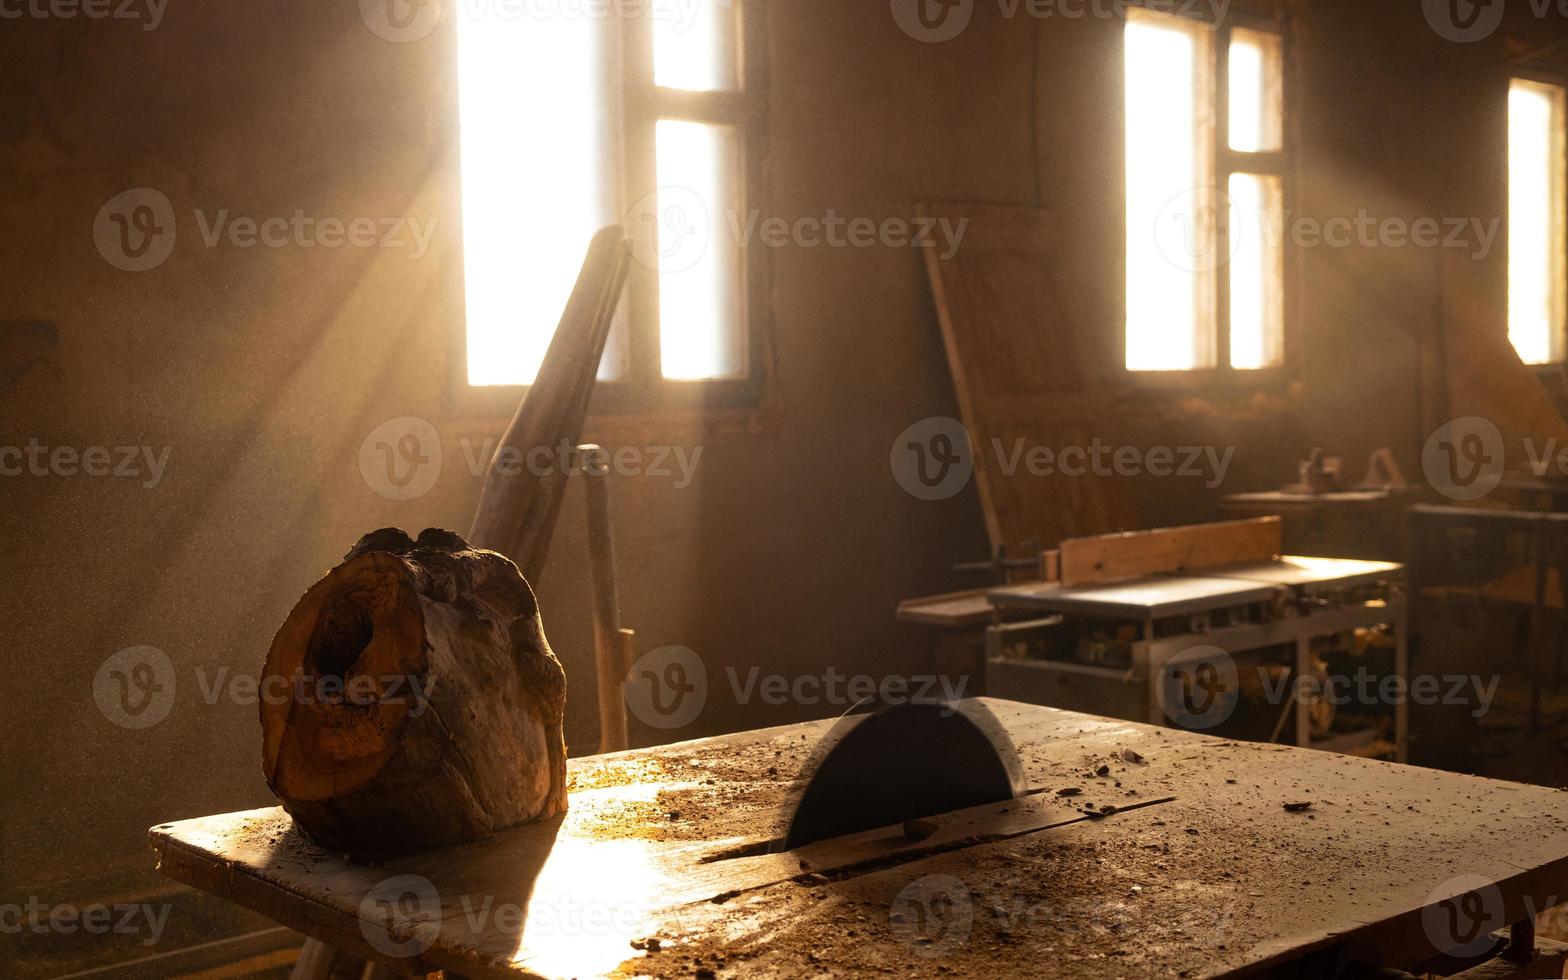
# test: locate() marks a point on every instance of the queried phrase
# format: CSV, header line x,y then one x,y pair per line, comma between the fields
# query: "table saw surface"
x,y
1200,870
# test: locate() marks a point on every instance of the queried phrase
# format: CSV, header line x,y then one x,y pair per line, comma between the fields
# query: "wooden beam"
x,y
1111,557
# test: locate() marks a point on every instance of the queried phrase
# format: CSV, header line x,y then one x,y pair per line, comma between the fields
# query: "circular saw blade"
x,y
903,763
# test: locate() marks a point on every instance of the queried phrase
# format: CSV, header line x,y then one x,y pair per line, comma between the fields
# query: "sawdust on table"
x,y
1159,891
711,793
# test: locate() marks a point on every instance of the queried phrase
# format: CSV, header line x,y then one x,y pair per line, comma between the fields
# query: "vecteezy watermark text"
x,y
659,462
135,688
667,688
842,690
834,230
1201,688
1367,689
301,688
302,231
136,230
936,914
402,459
148,11
1208,463
405,21
402,916
142,463
121,919
1185,231
933,459
934,21
681,225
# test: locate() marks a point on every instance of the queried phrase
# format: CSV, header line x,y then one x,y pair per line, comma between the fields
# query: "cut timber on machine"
x,y
1115,557
1194,865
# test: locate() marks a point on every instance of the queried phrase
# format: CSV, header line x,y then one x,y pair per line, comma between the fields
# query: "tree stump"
x,y
411,701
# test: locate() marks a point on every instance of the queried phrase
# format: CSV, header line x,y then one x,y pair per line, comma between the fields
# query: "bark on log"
x,y
421,705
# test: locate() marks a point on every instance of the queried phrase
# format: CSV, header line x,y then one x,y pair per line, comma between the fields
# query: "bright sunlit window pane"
x,y
1257,272
694,45
1536,268
1256,91
700,333
1170,226
536,120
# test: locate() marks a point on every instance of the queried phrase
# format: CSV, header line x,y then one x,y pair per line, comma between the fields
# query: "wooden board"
x,y
1216,880
955,609
1023,375
1115,557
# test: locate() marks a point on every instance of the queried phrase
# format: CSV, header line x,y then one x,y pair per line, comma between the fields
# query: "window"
x,y
1536,266
1205,216
573,121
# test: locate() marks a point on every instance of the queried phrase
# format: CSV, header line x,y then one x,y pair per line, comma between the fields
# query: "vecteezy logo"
x,y
135,230
933,915
400,21
134,688
931,459
401,459
401,916
1186,230
1464,459
1461,914
667,688
1464,21
1198,689
933,21
671,229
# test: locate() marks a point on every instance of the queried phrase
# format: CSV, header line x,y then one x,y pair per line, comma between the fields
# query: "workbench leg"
x,y
317,961
1402,668
1303,671
1156,677
1537,628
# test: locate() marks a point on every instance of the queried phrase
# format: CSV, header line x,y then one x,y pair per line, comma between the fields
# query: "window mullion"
x,y
1224,164
640,186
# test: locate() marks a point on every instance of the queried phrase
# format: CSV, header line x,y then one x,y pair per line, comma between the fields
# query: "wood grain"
x,y
414,701
1022,374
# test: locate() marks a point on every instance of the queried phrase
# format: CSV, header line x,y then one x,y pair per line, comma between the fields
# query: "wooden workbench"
x,y
1200,871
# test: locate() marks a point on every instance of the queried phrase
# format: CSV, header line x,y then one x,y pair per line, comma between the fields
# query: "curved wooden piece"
x,y
517,508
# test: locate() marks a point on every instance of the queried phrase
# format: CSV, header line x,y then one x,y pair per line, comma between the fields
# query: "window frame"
x,y
1224,162
643,390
